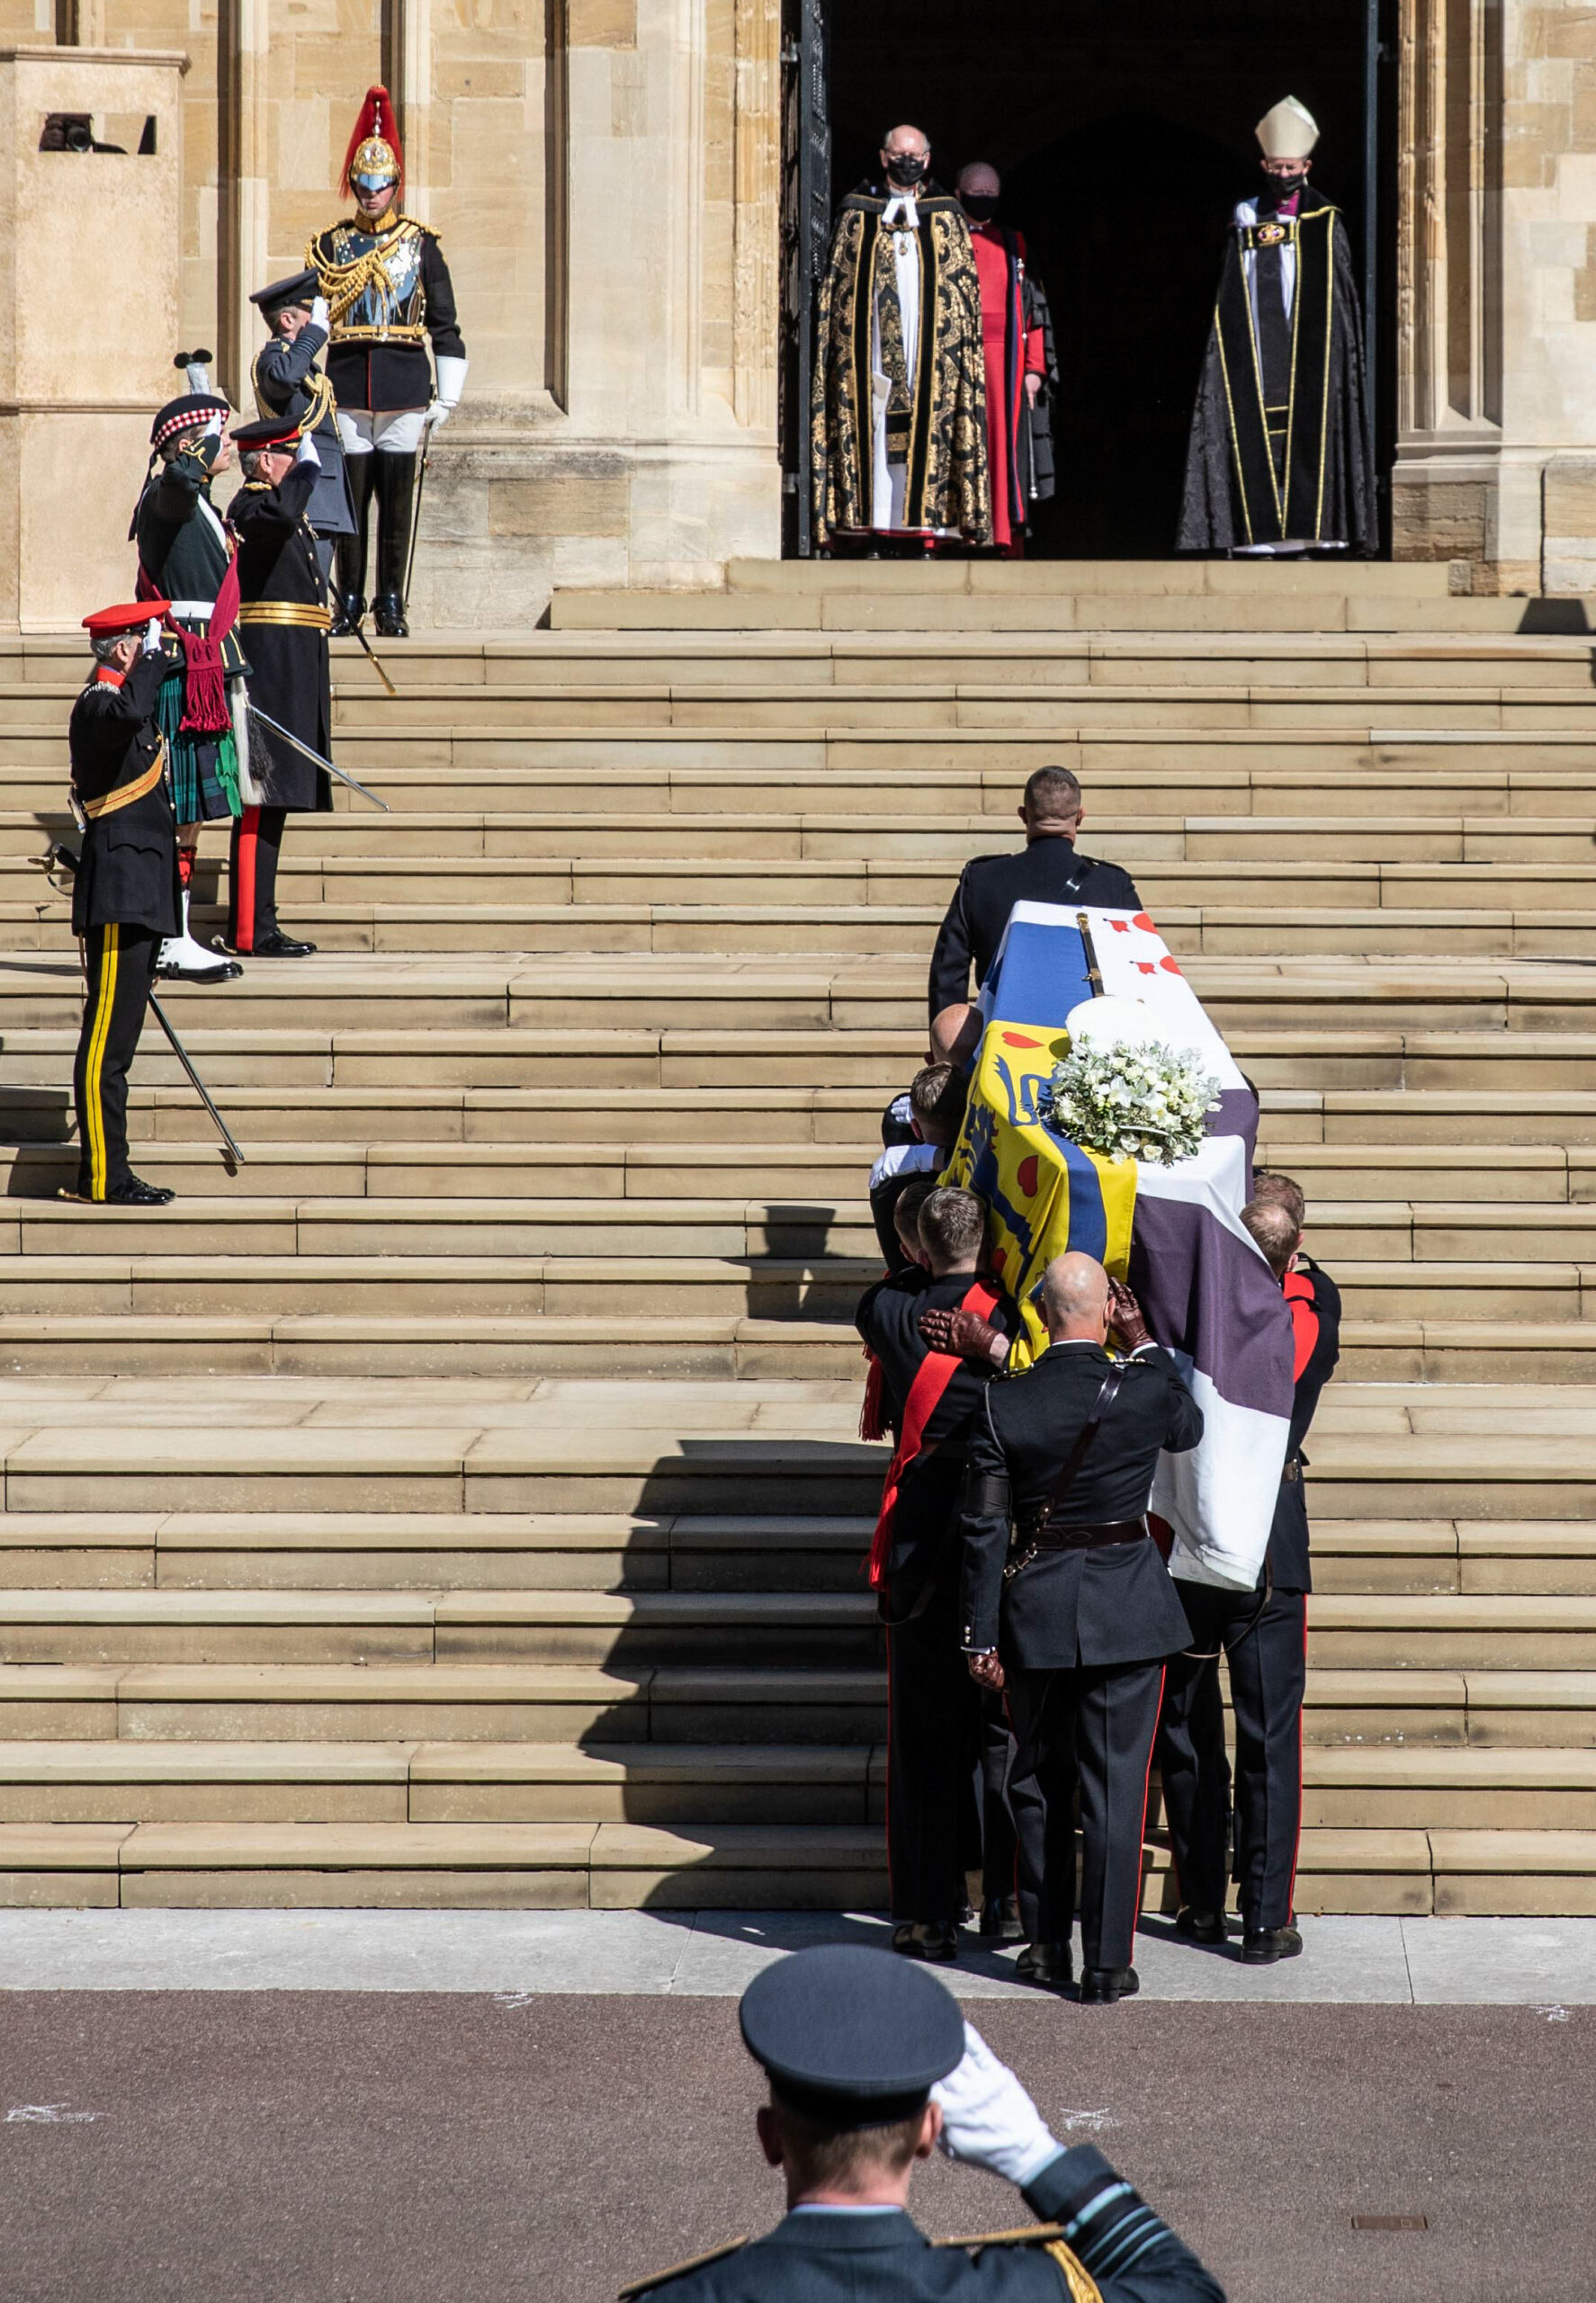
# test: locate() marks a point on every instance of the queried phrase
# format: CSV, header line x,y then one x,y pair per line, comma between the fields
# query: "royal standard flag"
x,y
1175,1233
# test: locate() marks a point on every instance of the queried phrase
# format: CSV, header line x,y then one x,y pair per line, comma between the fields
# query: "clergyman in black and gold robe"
x,y
898,410
1280,458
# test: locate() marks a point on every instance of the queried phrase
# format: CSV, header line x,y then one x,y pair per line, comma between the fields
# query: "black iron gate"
x,y
806,228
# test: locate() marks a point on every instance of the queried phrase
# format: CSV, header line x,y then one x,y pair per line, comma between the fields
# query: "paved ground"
x,y
1400,1962
548,2146
349,2106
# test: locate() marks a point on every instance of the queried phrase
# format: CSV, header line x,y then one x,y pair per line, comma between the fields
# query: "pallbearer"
x,y
1280,460
125,896
388,293
285,619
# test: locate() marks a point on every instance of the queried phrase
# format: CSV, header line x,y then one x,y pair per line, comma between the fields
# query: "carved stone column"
x,y
757,313
244,187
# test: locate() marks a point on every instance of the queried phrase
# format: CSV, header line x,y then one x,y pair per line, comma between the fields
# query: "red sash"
x,y
1303,1306
935,1371
205,711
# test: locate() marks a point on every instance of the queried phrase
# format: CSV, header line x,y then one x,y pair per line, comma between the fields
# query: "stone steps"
x,y
508,1548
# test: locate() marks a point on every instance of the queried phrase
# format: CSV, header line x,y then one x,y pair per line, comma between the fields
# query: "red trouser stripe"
x,y
1146,1794
1298,1849
244,893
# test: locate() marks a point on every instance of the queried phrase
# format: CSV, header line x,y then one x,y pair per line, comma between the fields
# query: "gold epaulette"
x,y
1081,2287
679,2271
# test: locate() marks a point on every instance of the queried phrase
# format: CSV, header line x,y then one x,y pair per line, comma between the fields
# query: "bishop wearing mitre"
x,y
899,440
1281,458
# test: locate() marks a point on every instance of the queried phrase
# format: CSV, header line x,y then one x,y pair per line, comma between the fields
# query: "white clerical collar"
x,y
900,207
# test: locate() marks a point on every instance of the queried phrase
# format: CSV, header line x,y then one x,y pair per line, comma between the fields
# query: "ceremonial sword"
x,y
341,604
59,857
426,432
343,776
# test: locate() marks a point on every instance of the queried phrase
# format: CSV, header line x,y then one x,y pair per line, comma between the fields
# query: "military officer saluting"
x,y
285,618
288,383
1074,1614
126,894
872,2068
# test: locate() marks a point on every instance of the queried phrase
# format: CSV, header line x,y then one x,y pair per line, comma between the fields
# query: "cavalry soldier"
x,y
285,619
871,2069
184,556
1263,1633
125,894
388,289
1075,1615
288,383
933,1726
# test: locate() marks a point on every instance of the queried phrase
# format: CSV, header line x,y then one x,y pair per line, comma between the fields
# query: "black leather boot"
x,y
396,489
349,558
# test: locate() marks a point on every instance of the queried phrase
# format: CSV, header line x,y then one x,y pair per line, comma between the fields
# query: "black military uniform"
x,y
285,620
1048,870
288,383
125,896
933,1715
855,2039
1082,1627
1264,1634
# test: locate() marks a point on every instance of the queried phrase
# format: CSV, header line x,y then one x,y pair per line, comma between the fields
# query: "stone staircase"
x,y
461,1504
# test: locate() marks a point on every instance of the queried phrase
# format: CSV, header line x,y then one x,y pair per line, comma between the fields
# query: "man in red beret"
x,y
126,895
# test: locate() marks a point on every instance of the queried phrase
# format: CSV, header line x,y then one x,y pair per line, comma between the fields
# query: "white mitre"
x,y
1289,132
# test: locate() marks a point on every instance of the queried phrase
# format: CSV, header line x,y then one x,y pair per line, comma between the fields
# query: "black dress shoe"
x,y
926,1938
349,618
387,612
132,1192
1199,1926
1047,1964
279,947
999,1919
1098,1986
1262,1946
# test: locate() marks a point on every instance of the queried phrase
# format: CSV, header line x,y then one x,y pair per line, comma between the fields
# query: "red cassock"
x,y
1012,351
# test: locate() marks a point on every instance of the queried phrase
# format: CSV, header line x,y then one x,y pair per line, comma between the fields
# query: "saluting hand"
x,y
963,1335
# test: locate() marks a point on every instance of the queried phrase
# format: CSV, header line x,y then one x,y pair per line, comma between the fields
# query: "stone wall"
x,y
603,176
1497,320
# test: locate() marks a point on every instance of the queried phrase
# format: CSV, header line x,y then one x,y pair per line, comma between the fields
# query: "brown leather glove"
x,y
965,1335
1125,1317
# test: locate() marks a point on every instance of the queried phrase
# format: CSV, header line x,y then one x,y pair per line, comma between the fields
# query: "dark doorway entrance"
x,y
1124,134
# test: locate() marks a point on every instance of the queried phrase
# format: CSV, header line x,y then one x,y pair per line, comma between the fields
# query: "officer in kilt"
x,y
285,619
184,555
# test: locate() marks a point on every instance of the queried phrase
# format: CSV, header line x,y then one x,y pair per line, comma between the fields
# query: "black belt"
x,y
1089,1538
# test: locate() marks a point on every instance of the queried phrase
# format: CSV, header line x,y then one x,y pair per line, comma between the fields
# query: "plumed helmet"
x,y
374,148
1288,132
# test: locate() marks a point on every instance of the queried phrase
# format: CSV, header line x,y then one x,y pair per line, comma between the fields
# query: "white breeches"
x,y
398,431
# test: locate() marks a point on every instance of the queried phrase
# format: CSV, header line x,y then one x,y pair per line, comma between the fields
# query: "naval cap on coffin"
x,y
858,2037
1288,132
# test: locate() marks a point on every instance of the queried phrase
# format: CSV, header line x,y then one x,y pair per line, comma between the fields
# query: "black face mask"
x,y
1280,189
908,171
981,207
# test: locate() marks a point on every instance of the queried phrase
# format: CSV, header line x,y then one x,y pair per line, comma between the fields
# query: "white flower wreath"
x,y
1136,1102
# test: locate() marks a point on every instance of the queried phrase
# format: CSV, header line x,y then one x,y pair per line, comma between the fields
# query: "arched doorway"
x,y
1124,137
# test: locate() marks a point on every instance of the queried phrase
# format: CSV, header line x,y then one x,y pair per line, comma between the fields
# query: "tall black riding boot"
x,y
351,549
396,488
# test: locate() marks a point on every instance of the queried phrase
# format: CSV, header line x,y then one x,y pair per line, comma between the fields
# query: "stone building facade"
x,y
605,175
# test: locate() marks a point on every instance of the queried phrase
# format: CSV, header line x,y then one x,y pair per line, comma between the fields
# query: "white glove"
x,y
307,454
451,368
988,2119
152,636
437,414
319,315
